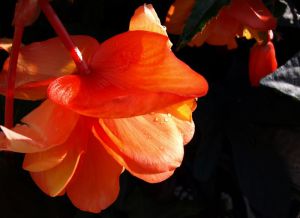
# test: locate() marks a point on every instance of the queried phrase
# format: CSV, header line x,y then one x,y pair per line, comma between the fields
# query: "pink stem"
x,y
9,100
64,36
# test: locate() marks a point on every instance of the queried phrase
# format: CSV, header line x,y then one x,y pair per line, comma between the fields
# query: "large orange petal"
x,y
130,67
55,180
148,144
145,18
143,60
107,101
45,127
41,62
96,183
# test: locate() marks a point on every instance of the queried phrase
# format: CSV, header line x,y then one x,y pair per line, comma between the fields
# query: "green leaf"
x,y
202,12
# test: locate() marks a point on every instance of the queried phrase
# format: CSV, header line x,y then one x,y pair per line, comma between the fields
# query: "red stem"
x,y
9,100
64,36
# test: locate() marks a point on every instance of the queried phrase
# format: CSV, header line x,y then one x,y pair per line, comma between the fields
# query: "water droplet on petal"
x,y
156,119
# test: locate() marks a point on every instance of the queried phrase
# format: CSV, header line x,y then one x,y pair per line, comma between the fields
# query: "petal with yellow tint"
x,y
54,180
182,110
186,128
42,62
95,185
145,18
182,116
148,144
6,44
47,126
135,65
45,160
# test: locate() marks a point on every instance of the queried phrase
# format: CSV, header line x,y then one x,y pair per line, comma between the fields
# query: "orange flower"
x,y
133,110
229,23
262,61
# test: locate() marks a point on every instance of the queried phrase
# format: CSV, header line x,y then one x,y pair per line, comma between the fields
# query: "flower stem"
x,y
9,100
64,36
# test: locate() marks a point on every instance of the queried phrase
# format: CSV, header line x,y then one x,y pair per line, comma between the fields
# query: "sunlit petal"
x,y
182,110
45,127
40,62
126,67
148,144
55,180
45,160
96,183
145,18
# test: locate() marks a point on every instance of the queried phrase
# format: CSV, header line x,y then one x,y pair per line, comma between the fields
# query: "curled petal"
x,y
40,62
96,183
47,126
148,144
130,64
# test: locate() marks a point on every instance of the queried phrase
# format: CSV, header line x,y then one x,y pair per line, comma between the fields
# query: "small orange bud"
x,y
262,62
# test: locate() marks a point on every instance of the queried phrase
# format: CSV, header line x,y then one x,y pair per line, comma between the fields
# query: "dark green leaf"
x,y
202,12
286,78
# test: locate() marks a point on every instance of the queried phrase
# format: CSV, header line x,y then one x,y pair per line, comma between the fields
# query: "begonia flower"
x,y
230,22
133,110
262,61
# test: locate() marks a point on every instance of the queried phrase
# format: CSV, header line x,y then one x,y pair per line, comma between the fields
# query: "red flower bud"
x,y
262,62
